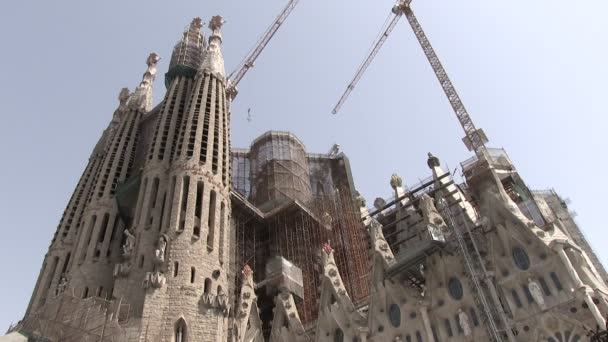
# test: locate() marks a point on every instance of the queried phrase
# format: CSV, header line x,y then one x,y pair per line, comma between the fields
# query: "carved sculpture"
x,y
429,211
61,286
129,244
463,320
396,181
379,203
221,302
162,246
536,292
334,151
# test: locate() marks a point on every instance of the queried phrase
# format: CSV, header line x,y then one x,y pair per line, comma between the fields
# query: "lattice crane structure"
x,y
237,75
475,139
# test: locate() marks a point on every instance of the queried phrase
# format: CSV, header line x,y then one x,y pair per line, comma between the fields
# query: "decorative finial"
x,y
214,61
123,96
327,248
379,203
142,96
432,161
216,23
247,271
396,181
196,23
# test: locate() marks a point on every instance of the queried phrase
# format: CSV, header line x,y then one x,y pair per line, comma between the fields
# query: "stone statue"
x,y
396,181
129,244
429,211
359,200
463,320
334,151
162,247
141,99
536,292
379,203
63,284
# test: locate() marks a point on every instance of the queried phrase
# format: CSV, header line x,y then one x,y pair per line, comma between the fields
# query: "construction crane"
x,y
237,75
475,139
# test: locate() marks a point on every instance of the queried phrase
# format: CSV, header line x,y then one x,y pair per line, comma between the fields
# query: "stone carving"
x,y
128,245
359,200
429,211
122,270
162,247
208,300
61,286
396,181
154,279
334,151
221,302
463,320
379,203
536,292
432,161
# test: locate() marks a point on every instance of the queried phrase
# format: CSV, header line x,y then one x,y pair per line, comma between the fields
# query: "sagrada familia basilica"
x,y
171,234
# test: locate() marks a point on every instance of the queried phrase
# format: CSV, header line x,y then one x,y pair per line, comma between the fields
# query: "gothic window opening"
x,y
162,212
216,129
222,228
65,263
198,209
175,268
528,293
196,109
141,261
205,136
448,327
455,288
544,285
207,286
435,336
556,282
418,336
83,253
474,317
521,258
224,137
181,331
394,315
140,201
184,203
192,275
338,335
516,298
112,236
85,293
99,291
211,221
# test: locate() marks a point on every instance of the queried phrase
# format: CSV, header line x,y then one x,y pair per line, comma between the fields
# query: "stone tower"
x,y
147,228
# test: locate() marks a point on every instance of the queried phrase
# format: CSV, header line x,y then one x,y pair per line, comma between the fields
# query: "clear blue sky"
x,y
531,73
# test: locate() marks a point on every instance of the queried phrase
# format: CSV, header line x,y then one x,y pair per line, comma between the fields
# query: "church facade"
x,y
173,235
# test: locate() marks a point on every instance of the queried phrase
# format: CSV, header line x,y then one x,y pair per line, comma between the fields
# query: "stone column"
x,y
427,323
580,285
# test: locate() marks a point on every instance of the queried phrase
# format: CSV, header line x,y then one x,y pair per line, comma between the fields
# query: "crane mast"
x,y
474,139
237,75
376,47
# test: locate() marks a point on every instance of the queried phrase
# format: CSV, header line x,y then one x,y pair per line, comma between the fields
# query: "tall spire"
x,y
141,99
214,61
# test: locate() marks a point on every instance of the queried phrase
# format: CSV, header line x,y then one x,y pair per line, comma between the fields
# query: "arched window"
x,y
207,287
516,298
175,268
394,315
192,275
455,288
141,261
181,331
556,282
211,219
85,293
521,259
338,335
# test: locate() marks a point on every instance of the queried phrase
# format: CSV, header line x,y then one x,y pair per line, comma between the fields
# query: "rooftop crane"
x,y
475,139
237,75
